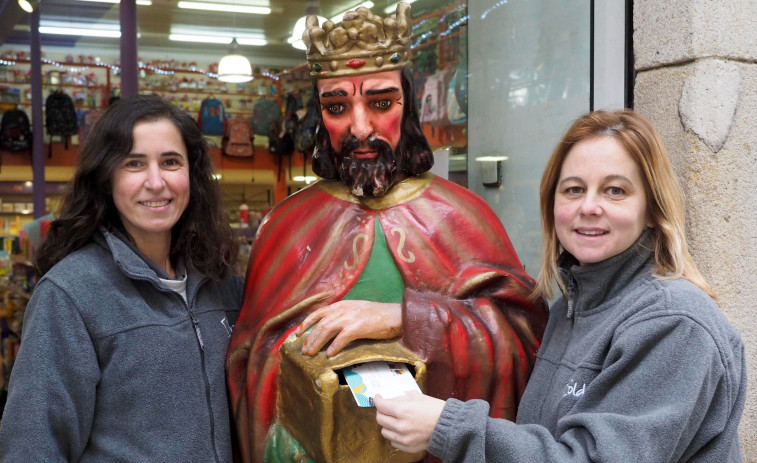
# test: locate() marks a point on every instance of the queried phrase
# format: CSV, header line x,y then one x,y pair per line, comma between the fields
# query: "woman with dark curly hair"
x,y
124,338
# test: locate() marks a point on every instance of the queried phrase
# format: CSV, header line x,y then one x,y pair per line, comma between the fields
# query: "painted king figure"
x,y
378,260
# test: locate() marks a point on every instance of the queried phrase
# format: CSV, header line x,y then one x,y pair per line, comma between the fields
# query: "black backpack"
x,y
15,134
304,133
60,118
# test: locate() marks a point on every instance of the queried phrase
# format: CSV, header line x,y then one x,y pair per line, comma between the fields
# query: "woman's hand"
x,y
346,321
409,420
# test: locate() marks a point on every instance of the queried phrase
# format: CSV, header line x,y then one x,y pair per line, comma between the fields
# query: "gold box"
x,y
323,415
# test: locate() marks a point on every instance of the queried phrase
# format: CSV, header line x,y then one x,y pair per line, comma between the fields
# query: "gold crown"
x,y
364,43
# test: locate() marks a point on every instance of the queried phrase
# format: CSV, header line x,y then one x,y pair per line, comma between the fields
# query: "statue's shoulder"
x,y
455,193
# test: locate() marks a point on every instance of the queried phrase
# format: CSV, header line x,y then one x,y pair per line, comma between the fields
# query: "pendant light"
x,y
311,8
234,67
28,5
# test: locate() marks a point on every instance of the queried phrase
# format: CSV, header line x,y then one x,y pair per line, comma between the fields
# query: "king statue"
x,y
379,260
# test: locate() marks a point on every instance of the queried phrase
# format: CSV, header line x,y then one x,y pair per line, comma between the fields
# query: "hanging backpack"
x,y
280,142
60,118
238,139
293,104
264,111
212,119
87,120
304,134
15,134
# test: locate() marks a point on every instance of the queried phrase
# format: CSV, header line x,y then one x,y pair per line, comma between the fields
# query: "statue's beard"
x,y
368,177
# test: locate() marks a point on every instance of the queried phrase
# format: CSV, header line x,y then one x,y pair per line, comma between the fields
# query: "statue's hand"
x,y
346,321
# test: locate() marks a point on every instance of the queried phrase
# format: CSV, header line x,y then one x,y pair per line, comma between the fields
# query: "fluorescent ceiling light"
x,y
257,42
230,8
112,30
338,18
79,32
184,33
216,39
200,38
139,2
393,7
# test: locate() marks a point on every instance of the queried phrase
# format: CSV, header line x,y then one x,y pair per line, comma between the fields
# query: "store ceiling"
x,y
155,22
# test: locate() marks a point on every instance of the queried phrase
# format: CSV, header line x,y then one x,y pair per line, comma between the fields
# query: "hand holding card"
x,y
389,379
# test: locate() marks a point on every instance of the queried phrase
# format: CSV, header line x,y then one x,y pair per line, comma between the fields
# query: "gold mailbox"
x,y
322,414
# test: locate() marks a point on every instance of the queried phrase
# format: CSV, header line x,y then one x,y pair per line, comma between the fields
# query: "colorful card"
x,y
389,379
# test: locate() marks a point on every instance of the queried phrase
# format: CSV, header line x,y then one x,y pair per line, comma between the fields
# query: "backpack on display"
x,y
293,104
212,118
15,132
280,142
264,111
87,120
304,134
60,118
238,139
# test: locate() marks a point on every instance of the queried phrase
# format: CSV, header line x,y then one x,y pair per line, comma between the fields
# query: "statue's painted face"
x,y
363,117
362,107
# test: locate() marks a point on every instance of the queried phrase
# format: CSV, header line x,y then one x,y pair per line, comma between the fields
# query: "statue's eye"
x,y
334,108
382,104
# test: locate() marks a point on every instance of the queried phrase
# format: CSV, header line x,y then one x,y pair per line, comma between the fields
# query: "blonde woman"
x,y
637,363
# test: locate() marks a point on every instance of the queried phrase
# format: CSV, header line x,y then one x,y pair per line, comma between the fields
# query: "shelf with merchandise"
x,y
189,87
88,85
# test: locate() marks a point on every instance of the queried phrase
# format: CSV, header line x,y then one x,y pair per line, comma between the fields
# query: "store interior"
x,y
178,52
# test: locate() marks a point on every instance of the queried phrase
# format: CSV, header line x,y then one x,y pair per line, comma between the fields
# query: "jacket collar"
x,y
589,286
135,264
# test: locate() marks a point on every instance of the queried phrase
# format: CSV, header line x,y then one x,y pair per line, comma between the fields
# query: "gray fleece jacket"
x,y
631,369
115,367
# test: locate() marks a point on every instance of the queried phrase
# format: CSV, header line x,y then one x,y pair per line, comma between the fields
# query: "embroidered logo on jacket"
x,y
572,389
229,328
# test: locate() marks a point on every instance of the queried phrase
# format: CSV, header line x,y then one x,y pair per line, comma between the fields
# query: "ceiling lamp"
x,y
312,8
225,7
28,5
234,67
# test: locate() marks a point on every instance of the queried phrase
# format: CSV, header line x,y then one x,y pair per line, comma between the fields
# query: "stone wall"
x,y
696,64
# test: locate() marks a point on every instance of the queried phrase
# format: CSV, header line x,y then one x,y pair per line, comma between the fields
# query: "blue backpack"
x,y
212,118
264,111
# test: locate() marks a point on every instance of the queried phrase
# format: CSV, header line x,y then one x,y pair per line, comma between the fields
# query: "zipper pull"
x,y
196,324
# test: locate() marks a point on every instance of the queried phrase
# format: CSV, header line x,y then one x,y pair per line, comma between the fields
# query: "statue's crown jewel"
x,y
364,43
